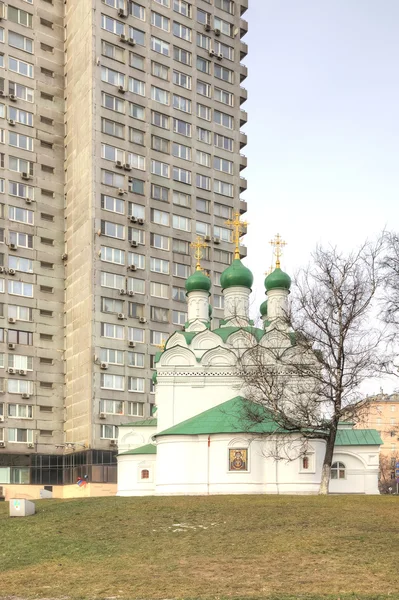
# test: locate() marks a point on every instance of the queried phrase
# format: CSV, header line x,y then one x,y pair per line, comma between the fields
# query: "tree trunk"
x,y
326,470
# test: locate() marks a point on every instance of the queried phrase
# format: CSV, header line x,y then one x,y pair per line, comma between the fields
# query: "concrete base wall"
x,y
32,492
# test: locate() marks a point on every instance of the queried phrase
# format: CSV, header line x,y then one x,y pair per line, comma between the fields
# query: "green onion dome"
x,y
236,275
277,280
210,311
263,308
198,281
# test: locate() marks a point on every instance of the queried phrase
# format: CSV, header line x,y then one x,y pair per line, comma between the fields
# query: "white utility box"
x,y
20,507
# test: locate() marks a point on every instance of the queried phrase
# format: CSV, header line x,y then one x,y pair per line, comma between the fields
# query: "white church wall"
x,y
182,465
130,471
361,470
132,437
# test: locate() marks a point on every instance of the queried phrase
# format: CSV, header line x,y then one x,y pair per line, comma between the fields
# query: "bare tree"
x,y
307,371
390,265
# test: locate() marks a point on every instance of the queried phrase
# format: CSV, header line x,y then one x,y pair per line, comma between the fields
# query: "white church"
x,y
200,440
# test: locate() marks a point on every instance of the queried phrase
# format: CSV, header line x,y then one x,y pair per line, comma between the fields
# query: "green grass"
x,y
274,547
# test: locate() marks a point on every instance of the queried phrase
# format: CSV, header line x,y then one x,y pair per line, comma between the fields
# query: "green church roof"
x,y
150,422
147,449
263,308
277,280
198,281
236,275
358,437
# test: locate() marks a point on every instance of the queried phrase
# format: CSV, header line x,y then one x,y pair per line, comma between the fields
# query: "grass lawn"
x,y
274,547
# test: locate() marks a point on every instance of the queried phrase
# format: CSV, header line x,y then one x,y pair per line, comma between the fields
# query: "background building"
x,y
121,143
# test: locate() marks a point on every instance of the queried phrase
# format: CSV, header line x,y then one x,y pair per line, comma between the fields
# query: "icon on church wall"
x,y
238,459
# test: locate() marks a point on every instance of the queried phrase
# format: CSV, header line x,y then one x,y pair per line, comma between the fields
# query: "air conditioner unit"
x,y
64,256
132,344
121,316
13,97
220,56
207,238
133,219
30,445
28,200
102,416
12,246
11,371
217,32
114,442
134,244
207,27
131,42
1,421
121,89
132,268
11,346
216,240
122,292
104,365
12,320
2,270
121,13
142,320
122,37
119,164
22,372
25,396
11,271
2,444
11,122
25,175
127,167
131,293
212,52
140,221
2,94
121,191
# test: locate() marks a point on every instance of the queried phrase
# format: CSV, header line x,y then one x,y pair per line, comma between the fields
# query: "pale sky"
x,y
323,126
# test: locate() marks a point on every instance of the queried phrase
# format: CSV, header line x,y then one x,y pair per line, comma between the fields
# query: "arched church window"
x,y
338,470
145,474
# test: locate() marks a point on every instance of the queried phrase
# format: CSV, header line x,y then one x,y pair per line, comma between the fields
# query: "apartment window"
x,y
159,241
221,210
159,290
204,89
110,305
19,313
135,359
112,77
112,255
182,79
18,263
203,205
181,31
15,40
224,97
23,436
113,103
136,10
204,135
163,2
203,41
46,48
160,95
136,235
136,161
159,217
181,199
158,265
159,314
160,168
222,256
135,384
16,336
136,210
182,175
20,66
224,26
138,260
159,70
110,330
160,120
180,246
112,280
158,338
24,142
111,407
218,301
181,151
113,230
203,182
19,288
136,61
112,25
20,215
136,86
221,164
223,233
223,188
136,285
224,50
226,5
223,119
160,46
182,127
137,35
20,411
179,294
181,103
112,128
202,229
136,335
203,65
112,51
178,317
111,204
108,432
21,191
21,116
182,223
203,158
136,136
223,73
22,240
183,56
136,311
158,192
136,409
216,279
204,112
160,21
221,141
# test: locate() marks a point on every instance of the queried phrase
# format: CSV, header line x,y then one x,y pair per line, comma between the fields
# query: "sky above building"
x,y
323,129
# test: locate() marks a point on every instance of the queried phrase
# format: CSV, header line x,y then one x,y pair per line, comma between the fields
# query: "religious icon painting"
x,y
238,459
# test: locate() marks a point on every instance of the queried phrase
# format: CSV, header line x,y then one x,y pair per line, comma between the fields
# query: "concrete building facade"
x,y
121,143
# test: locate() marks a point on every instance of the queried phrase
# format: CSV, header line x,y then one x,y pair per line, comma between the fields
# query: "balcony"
x,y
243,6
243,27
243,117
243,73
243,251
243,50
243,140
243,162
243,184
243,95
243,207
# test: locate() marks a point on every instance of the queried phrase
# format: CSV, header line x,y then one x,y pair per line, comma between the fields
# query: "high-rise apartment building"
x,y
121,143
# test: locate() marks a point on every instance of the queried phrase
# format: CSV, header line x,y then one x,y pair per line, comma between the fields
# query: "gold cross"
x,y
161,346
199,244
237,226
278,246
